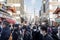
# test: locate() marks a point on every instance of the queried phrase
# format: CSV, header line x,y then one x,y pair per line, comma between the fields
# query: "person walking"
x,y
36,34
26,32
54,33
15,32
5,31
46,36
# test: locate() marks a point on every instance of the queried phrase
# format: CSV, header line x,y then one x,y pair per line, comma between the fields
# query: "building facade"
x,y
42,12
49,7
19,5
43,9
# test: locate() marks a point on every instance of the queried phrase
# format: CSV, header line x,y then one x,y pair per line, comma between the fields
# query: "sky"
x,y
30,5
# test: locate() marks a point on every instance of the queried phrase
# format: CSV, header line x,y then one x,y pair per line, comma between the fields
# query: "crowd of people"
x,y
26,31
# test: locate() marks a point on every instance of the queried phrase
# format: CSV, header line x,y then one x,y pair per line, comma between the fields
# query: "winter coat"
x,y
54,33
5,33
20,36
15,35
36,35
47,37
27,36
55,37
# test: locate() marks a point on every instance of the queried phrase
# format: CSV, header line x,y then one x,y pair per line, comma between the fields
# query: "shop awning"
x,y
11,21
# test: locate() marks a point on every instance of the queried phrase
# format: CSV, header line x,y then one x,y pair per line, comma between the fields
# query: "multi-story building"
x,y
13,5
3,12
43,8
19,5
49,7
42,12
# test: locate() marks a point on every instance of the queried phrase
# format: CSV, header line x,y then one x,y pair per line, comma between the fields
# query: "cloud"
x,y
33,1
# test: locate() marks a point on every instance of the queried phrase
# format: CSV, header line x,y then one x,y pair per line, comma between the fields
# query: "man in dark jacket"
x,y
5,31
36,34
54,33
44,33
15,32
27,35
26,32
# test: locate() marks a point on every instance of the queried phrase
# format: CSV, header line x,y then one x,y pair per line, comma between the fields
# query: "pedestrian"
x,y
54,33
15,32
20,35
26,32
46,36
36,34
5,31
49,29
26,35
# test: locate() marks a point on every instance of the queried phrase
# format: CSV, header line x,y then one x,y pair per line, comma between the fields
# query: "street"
x,y
29,19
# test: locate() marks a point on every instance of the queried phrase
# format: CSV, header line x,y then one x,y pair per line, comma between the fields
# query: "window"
x,y
17,8
50,6
54,7
54,0
16,5
51,14
18,12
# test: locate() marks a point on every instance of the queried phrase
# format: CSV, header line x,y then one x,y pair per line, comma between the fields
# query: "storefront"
x,y
4,15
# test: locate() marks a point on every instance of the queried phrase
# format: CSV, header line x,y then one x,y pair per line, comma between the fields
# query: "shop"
x,y
5,16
